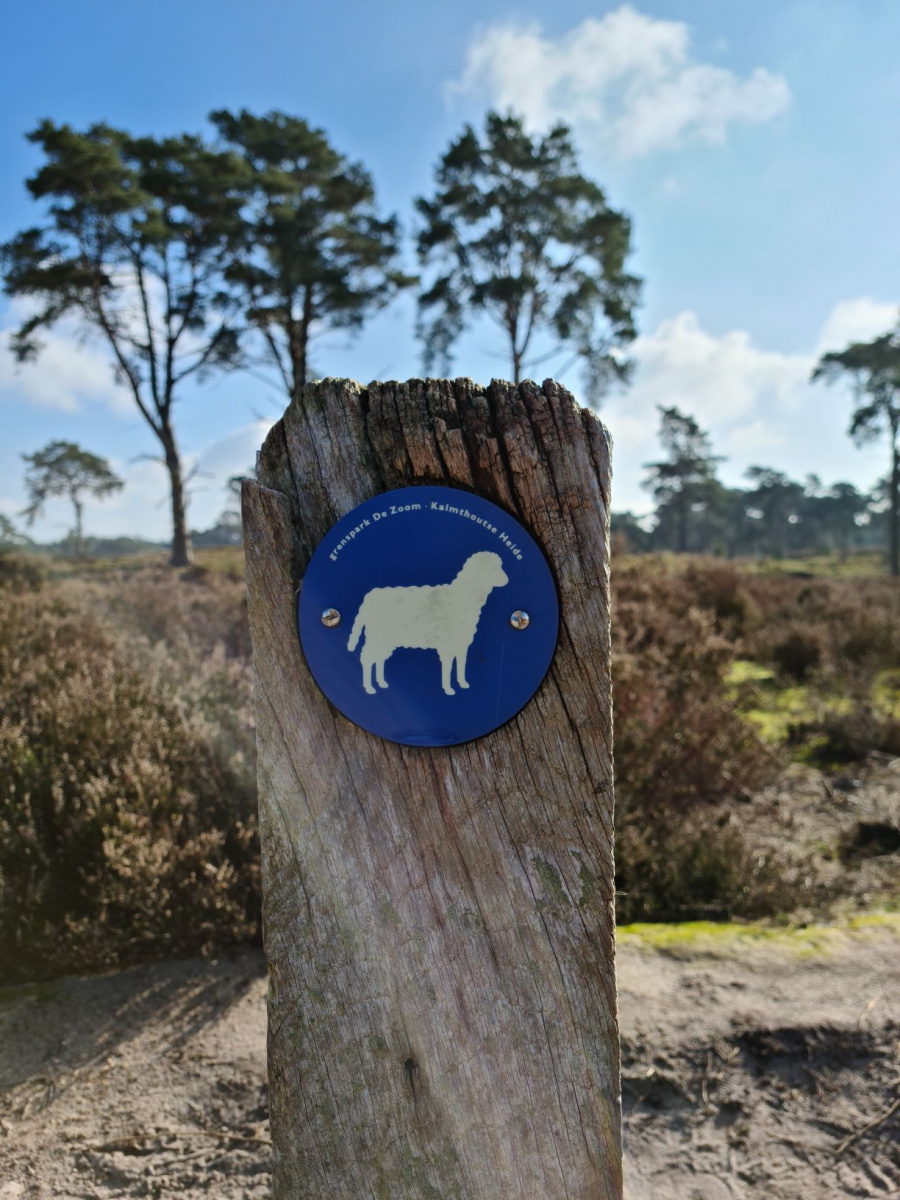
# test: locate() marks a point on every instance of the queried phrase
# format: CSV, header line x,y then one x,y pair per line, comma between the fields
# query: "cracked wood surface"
x,y
438,922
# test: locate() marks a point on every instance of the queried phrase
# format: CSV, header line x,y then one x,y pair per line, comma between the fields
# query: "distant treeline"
x,y
773,516
223,534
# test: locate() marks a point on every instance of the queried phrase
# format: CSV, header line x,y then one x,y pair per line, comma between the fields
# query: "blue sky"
x,y
754,145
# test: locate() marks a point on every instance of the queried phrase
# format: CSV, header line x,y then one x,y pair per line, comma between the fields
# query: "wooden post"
x,y
438,922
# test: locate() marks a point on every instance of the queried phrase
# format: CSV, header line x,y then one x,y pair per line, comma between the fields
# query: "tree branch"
x,y
201,361
531,320
108,328
275,349
148,326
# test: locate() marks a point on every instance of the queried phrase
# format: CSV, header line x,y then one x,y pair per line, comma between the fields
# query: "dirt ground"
x,y
749,1071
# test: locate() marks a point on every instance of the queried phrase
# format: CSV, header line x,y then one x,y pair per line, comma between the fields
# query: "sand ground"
x,y
749,1070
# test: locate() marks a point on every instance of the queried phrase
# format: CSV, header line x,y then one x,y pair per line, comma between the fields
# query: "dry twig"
x,y
134,1138
885,1116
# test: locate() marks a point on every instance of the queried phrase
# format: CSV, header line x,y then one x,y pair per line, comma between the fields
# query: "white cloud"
x,y
755,436
717,379
143,504
857,320
142,507
69,371
74,366
758,405
235,453
625,82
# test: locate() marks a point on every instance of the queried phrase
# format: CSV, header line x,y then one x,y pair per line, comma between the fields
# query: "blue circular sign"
x,y
428,616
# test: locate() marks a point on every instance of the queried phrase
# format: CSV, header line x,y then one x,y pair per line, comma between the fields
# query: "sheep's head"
x,y
487,568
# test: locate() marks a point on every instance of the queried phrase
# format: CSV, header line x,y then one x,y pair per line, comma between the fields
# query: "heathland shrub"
x,y
680,739
847,737
698,866
197,610
20,573
799,652
720,588
127,792
838,639
683,752
845,623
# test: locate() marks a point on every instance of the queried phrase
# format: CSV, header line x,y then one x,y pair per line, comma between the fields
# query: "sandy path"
x,y
741,1078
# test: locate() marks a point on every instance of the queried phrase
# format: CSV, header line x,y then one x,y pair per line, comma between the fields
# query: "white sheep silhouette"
x,y
442,617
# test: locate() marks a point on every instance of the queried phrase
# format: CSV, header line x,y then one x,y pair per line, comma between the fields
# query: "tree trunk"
x,y
298,341
182,551
512,328
682,524
79,527
894,509
438,922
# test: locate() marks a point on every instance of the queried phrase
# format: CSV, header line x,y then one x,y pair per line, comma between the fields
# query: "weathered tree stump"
x,y
438,922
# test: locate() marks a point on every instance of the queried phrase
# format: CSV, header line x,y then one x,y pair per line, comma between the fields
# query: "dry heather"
x,y
694,747
127,789
841,640
684,755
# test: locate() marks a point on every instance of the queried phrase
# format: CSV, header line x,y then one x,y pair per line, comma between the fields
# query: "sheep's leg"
x,y
368,662
379,672
460,661
446,669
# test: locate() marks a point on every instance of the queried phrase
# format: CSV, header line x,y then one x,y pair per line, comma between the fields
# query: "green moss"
x,y
742,670
813,751
775,710
387,910
466,919
350,939
551,880
770,708
727,940
587,880
382,1187
886,693
889,919
30,993
418,1171
827,566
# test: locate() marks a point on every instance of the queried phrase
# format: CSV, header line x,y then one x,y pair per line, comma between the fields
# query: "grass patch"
x,y
823,566
771,707
799,715
724,939
743,671
858,564
218,560
34,994
886,693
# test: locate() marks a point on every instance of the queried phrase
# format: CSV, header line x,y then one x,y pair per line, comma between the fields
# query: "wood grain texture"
x,y
438,922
